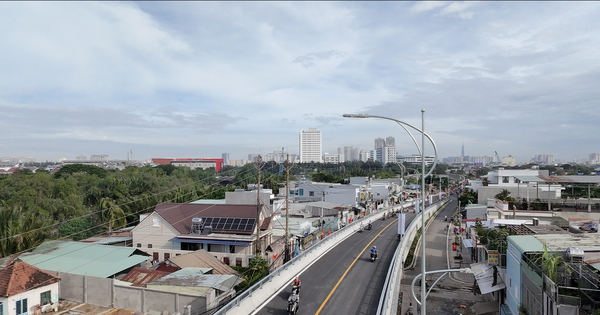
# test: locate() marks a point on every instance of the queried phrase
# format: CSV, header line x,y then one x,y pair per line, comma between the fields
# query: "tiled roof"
x,y
140,276
20,276
180,215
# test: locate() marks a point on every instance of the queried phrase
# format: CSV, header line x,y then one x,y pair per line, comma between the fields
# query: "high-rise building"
x,y
386,154
225,157
390,141
311,145
595,158
379,142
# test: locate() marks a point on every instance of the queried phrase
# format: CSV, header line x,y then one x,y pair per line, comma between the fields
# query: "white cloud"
x,y
423,6
213,77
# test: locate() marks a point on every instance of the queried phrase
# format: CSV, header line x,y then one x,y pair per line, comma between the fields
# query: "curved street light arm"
x,y
403,124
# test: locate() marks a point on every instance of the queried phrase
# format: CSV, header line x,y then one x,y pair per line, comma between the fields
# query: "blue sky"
x,y
197,79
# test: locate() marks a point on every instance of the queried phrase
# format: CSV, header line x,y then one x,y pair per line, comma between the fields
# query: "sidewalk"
x,y
454,290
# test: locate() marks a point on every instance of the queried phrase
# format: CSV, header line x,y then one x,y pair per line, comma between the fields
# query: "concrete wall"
x,y
104,292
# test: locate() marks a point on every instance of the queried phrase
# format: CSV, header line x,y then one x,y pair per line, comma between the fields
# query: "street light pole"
x,y
423,175
423,271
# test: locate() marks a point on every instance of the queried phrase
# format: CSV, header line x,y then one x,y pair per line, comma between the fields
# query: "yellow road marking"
x,y
346,272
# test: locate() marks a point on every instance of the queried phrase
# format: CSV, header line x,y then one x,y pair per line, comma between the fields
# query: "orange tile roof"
x,y
19,276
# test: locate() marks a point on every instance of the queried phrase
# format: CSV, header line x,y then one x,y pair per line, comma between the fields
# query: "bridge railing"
x,y
388,302
250,300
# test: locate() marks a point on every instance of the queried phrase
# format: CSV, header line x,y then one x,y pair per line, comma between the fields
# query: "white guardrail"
x,y
388,303
254,298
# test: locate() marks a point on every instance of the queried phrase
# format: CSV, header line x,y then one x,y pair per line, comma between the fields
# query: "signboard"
x,y
493,258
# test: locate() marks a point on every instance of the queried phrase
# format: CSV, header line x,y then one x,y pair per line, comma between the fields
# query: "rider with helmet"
x,y
296,284
374,252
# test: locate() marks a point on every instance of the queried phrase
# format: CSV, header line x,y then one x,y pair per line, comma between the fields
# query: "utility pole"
x,y
322,222
286,256
258,206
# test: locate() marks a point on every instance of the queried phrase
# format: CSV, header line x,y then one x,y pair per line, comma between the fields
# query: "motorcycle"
x,y
373,257
295,289
370,226
293,306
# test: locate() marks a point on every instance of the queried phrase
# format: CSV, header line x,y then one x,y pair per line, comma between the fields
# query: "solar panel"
x,y
229,224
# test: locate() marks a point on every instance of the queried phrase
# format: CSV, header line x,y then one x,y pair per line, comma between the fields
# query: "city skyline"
x,y
197,79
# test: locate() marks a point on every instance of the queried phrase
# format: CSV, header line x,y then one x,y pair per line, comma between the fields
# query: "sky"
x,y
198,79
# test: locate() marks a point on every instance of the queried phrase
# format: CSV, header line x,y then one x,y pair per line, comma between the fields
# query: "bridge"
x,y
337,275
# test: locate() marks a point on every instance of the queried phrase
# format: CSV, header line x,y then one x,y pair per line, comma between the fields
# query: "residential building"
x,y
363,155
23,287
386,154
570,285
311,145
416,159
509,161
544,159
333,158
218,163
595,158
227,231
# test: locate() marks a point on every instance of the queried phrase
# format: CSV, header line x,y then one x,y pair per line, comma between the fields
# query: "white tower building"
x,y
311,145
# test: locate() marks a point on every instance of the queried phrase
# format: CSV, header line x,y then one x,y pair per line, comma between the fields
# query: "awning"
x,y
484,275
467,243
216,242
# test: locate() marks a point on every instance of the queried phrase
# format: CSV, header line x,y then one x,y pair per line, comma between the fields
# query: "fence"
x,y
105,292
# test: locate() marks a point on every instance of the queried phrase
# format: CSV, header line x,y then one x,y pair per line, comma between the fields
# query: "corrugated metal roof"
x,y
138,277
84,258
195,277
202,259
526,243
530,179
576,179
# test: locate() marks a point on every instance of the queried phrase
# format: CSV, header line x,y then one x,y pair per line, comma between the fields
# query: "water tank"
x,y
575,254
536,221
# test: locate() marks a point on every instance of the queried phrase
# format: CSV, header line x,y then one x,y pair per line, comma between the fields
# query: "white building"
x,y
416,158
333,158
509,161
311,145
386,154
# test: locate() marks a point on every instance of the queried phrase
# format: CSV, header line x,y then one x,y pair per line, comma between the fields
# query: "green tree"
x,y
112,213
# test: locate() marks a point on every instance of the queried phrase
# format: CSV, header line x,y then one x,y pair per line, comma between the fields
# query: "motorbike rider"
x,y
370,224
374,251
293,299
296,284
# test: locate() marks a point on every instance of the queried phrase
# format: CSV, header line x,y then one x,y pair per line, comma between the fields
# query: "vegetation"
x,y
257,269
79,201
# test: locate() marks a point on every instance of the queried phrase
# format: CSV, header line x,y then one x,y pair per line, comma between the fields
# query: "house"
x,y
25,288
226,231
566,282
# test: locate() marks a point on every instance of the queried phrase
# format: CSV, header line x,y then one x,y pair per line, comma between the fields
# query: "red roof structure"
x,y
19,276
140,276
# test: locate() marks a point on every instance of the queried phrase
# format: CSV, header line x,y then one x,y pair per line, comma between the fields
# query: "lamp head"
x,y
356,115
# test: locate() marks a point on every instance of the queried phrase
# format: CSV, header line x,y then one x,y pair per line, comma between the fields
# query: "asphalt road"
x,y
345,281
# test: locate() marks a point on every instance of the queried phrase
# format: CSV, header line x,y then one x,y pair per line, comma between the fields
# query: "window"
x,y
139,245
301,192
45,298
149,245
505,179
167,256
232,249
208,247
238,262
21,307
155,256
226,260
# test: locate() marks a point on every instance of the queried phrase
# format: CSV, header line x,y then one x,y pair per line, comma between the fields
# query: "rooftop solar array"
x,y
229,224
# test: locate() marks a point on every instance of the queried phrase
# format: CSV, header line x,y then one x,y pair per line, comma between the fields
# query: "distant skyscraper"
x,y
311,145
225,157
462,152
390,141
379,142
